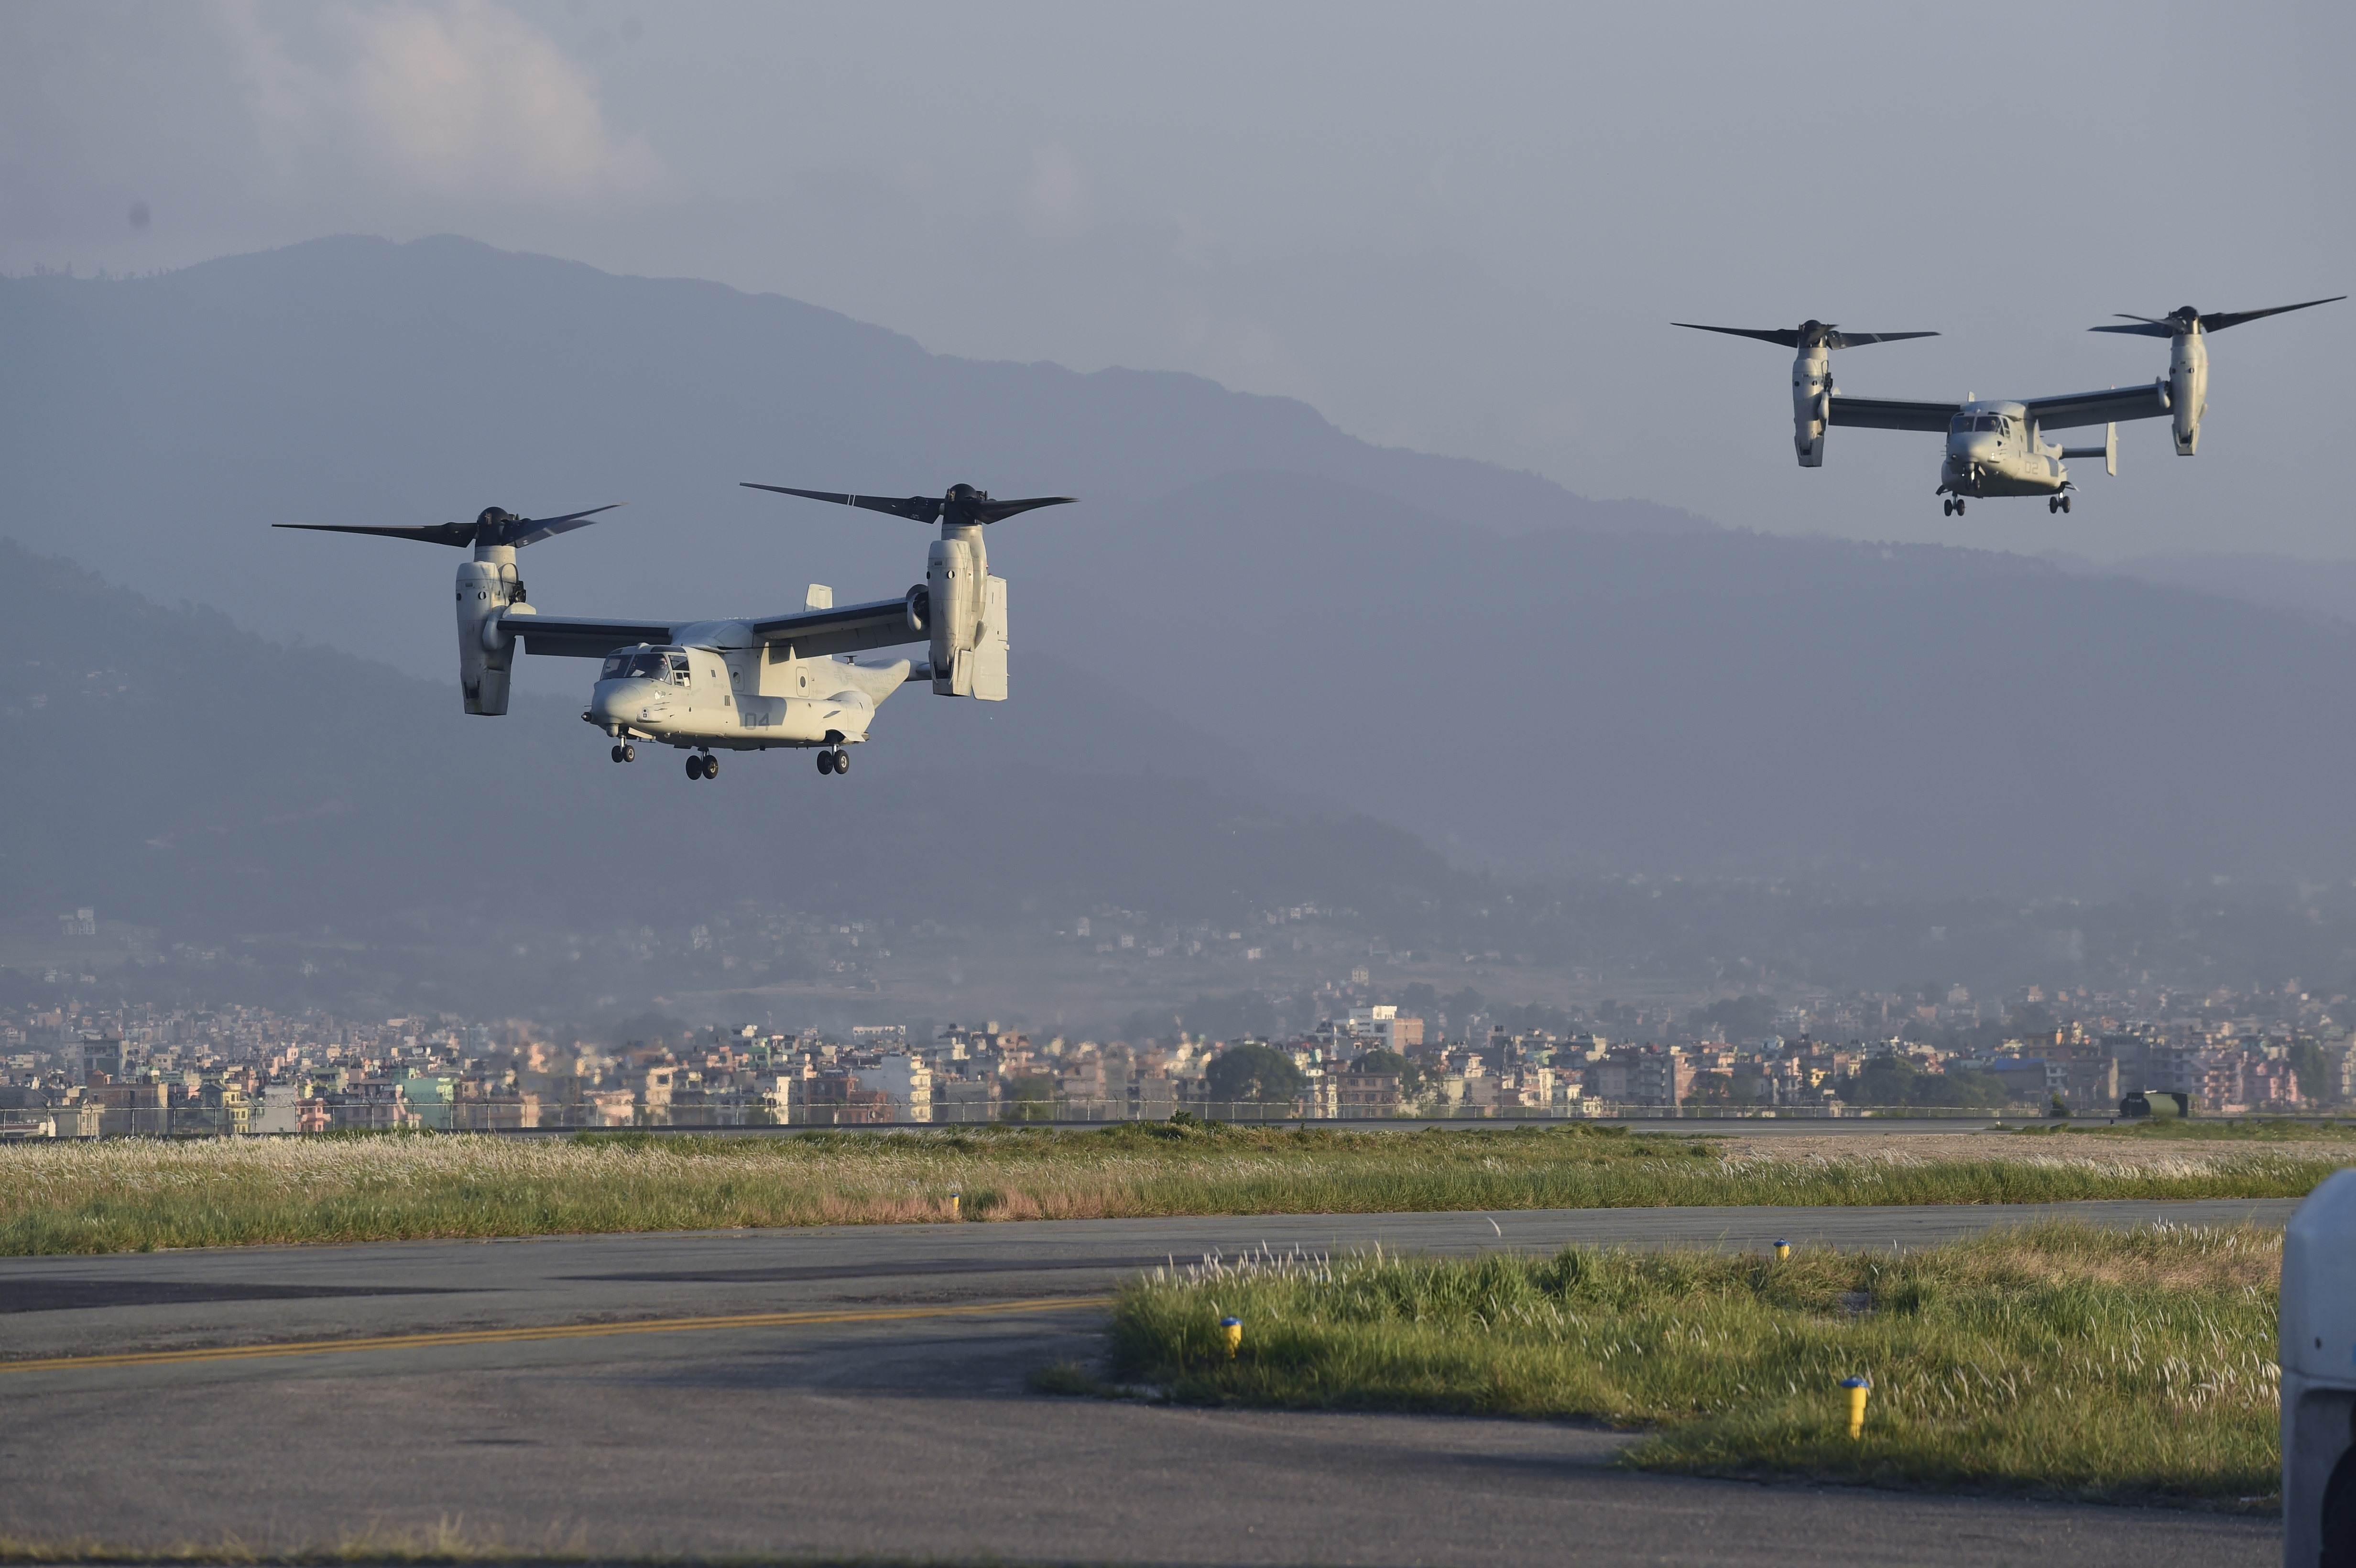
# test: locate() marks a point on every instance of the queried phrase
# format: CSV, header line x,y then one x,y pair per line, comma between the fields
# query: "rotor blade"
x,y
2143,327
1788,337
2219,321
998,511
922,508
532,531
1838,339
459,534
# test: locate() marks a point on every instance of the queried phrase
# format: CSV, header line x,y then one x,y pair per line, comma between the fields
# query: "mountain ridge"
x,y
341,792
1604,687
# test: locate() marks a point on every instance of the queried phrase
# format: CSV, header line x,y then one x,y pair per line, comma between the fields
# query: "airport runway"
x,y
869,1399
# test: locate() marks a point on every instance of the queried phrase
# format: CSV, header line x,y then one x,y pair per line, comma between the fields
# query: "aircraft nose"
x,y
624,702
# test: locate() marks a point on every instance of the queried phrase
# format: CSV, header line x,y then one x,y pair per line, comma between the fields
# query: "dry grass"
x,y
128,1195
2122,1148
2203,1130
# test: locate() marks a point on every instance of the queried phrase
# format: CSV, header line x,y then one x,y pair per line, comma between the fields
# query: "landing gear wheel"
x,y
695,767
1947,506
841,761
630,752
826,762
711,766
617,753
1959,505
2065,503
2052,503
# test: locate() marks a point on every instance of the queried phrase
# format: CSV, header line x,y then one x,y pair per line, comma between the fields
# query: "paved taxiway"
x,y
878,1406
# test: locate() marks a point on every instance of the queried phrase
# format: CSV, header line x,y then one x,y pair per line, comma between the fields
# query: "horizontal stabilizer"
x,y
2108,452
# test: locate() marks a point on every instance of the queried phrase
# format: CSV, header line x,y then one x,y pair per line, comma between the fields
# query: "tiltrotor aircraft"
x,y
749,685
1996,446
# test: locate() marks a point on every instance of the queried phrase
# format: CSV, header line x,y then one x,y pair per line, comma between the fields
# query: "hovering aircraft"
x,y
1996,446
783,681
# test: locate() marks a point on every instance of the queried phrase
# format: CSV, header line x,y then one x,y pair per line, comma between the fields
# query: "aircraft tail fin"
x,y
2108,452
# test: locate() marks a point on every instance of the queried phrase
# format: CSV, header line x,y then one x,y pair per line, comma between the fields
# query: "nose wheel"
x,y
837,761
1953,505
704,765
2057,503
626,753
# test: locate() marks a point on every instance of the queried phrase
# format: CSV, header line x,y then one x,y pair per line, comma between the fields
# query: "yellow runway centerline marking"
x,y
551,1331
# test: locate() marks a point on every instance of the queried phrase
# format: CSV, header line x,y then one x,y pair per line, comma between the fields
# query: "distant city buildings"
x,y
234,1072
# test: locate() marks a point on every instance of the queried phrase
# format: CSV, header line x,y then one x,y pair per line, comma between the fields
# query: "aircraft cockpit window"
x,y
1960,425
1986,421
637,667
678,669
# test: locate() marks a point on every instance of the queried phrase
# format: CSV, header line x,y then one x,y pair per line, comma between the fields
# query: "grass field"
x,y
2061,1362
125,1195
2195,1129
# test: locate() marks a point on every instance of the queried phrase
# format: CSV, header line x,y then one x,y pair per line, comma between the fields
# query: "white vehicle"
x,y
1995,446
751,684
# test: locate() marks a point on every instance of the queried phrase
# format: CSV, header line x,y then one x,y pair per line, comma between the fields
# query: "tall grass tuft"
x,y
2060,1360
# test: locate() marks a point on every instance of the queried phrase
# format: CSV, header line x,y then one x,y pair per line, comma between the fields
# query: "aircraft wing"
x,y
576,639
812,633
2109,406
1884,413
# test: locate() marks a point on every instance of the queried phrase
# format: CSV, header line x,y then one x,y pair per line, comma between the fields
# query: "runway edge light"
x,y
1859,1388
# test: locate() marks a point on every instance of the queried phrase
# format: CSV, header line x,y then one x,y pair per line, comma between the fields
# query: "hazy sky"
x,y
1457,228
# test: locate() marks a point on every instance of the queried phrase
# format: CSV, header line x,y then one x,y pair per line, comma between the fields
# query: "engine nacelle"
x,y
967,616
982,669
950,595
485,588
2188,390
1812,392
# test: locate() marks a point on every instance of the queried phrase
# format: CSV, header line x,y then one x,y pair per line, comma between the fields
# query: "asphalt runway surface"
x,y
863,1392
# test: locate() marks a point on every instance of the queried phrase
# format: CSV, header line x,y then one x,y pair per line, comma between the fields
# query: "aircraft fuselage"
x,y
711,696
1995,448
